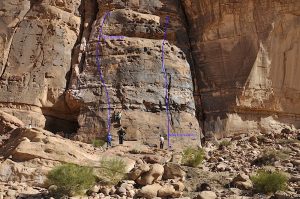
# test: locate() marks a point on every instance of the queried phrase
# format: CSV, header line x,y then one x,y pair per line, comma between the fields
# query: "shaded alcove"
x,y
57,125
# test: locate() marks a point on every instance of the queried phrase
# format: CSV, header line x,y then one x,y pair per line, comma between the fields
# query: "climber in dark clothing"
x,y
121,134
118,117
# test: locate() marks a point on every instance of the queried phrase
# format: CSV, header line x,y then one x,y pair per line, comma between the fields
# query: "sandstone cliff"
x,y
233,63
246,63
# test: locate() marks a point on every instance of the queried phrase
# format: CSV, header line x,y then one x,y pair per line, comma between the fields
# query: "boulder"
x,y
149,191
154,174
235,191
242,181
92,190
241,177
282,195
138,170
173,171
247,185
129,164
131,193
121,191
166,190
52,189
221,167
178,186
105,190
8,122
295,178
296,162
127,185
206,195
152,159
11,193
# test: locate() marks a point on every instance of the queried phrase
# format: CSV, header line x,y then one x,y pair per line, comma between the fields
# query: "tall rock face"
x,y
49,73
231,65
36,42
246,55
132,71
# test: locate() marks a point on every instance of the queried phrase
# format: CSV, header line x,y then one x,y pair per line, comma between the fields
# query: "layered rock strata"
x,y
49,75
242,69
132,69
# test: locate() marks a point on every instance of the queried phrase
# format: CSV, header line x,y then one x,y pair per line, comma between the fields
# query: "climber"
x,y
118,117
161,139
121,134
109,139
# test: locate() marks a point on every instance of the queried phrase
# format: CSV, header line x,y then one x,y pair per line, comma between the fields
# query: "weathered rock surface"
x,y
30,153
246,63
154,174
132,71
36,42
8,122
173,171
149,191
206,195
49,73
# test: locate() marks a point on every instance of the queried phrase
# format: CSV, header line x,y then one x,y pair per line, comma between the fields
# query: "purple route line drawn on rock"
x,y
166,89
98,61
183,135
166,79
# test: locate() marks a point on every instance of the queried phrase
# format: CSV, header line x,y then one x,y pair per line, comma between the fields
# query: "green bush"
x,y
224,144
111,171
192,157
71,179
135,151
269,181
98,142
269,156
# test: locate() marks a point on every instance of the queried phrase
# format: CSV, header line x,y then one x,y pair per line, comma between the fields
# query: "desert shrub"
x,y
71,179
111,171
192,157
135,151
261,138
98,142
269,181
269,156
224,144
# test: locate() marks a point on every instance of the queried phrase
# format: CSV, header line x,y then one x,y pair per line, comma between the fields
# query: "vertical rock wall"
x,y
133,74
233,62
49,75
37,38
246,56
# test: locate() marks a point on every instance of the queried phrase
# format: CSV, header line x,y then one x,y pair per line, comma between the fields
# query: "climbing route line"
x,y
183,135
166,88
98,61
166,79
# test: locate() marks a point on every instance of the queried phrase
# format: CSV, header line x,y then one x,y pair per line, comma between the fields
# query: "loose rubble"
x,y
154,173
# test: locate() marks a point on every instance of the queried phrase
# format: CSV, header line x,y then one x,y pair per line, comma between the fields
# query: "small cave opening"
x,y
63,127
